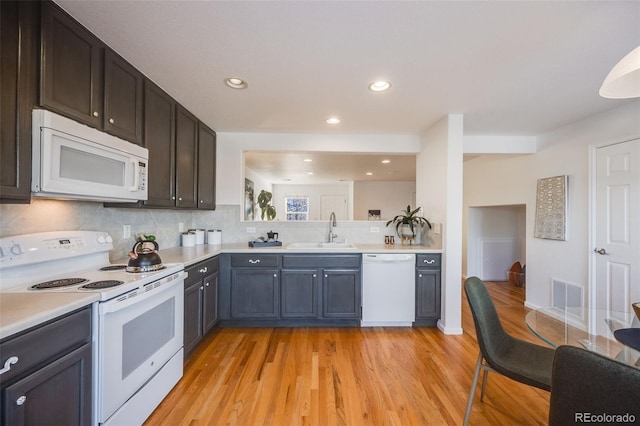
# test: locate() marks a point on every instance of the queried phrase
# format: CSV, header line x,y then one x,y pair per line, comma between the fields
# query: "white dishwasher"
x,y
388,289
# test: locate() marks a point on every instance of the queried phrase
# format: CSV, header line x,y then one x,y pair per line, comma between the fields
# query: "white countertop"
x,y
20,311
198,253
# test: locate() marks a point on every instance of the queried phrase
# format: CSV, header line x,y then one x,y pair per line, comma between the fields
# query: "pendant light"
x,y
623,80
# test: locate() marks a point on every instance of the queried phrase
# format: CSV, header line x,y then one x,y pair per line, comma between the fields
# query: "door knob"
x,y
600,251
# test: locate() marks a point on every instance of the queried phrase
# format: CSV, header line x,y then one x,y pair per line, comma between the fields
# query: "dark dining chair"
x,y
500,352
585,384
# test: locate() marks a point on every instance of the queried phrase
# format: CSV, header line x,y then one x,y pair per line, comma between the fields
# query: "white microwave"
x,y
74,161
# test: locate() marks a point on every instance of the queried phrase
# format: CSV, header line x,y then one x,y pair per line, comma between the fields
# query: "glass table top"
x,y
592,329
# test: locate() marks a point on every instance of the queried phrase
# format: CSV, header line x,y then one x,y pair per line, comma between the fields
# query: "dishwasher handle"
x,y
388,258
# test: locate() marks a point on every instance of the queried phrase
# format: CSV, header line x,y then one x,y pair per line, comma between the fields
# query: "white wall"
x,y
565,151
501,227
388,197
314,192
439,192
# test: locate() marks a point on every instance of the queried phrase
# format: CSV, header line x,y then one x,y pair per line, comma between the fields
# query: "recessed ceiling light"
x,y
236,83
385,161
309,173
379,86
333,120
307,160
369,174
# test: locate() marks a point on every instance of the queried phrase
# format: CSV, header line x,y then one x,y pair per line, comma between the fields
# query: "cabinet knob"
x,y
111,120
314,275
173,198
201,288
21,400
180,199
201,201
420,275
326,276
95,114
275,275
207,285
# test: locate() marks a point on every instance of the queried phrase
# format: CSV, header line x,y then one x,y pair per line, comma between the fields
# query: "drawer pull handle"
x,y
204,270
8,363
429,262
21,400
254,261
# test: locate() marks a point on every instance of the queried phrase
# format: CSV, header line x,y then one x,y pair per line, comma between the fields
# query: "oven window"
x,y
144,335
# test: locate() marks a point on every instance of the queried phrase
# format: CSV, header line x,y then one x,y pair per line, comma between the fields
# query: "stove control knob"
x,y
16,250
101,239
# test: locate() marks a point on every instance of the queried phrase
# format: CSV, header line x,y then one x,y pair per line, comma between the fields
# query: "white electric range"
x,y
137,323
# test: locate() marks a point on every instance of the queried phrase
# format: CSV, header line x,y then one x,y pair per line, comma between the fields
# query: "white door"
x,y
617,251
333,203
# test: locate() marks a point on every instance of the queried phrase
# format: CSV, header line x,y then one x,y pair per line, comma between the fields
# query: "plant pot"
x,y
407,236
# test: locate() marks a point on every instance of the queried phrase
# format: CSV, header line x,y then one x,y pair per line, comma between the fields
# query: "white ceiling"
x,y
511,67
291,167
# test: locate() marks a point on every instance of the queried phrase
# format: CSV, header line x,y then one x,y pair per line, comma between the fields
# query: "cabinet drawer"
x,y
254,260
428,260
202,269
45,343
321,261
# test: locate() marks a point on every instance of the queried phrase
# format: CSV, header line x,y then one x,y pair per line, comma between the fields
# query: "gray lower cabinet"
x,y
299,293
254,293
341,294
290,290
428,283
325,287
200,302
50,384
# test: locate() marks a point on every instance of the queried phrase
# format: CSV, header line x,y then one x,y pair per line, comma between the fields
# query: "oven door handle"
x,y
126,300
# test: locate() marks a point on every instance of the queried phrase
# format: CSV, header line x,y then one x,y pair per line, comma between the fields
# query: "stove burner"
x,y
113,268
102,284
64,282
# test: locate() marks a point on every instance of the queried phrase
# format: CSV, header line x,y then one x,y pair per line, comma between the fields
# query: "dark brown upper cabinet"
x,y
122,98
206,168
186,158
71,78
159,139
85,80
20,47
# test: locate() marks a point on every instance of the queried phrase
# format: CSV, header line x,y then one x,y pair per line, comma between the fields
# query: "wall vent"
x,y
566,295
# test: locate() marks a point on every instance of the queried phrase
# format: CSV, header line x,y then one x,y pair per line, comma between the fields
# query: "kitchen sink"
x,y
316,246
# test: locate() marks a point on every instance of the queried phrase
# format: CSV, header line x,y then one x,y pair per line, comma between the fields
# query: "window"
x,y
296,207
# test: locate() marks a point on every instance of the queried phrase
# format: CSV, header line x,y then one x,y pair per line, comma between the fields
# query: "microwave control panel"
x,y
142,175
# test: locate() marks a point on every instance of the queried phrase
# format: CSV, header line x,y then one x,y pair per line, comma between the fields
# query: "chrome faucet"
x,y
332,223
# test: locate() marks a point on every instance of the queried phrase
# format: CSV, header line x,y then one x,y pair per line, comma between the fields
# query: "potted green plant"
x,y
266,209
407,223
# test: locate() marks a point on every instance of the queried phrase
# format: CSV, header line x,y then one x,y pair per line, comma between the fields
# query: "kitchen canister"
x,y
199,235
214,236
188,239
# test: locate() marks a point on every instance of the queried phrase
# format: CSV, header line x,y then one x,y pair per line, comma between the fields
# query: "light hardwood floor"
x,y
350,376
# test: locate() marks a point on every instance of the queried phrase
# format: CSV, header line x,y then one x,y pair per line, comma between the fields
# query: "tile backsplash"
x,y
54,215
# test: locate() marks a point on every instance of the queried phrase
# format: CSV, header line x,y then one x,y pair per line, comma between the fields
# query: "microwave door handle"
x,y
136,174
